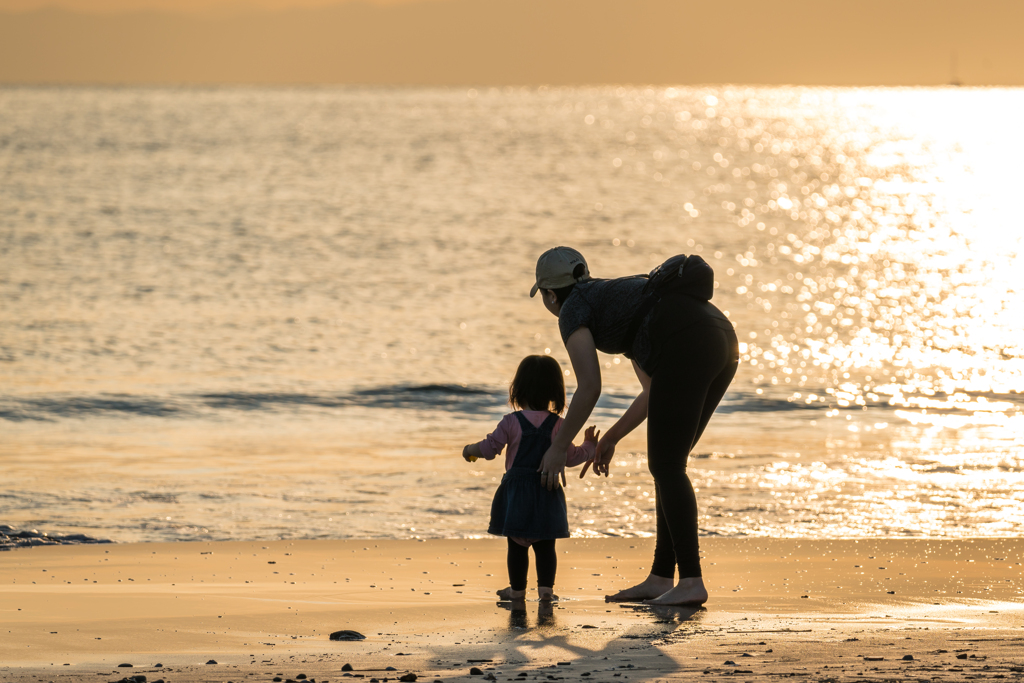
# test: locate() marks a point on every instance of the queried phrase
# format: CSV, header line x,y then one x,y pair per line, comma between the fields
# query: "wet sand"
x,y
821,610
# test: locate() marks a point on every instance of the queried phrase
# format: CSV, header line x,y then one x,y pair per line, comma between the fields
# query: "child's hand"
x,y
590,435
467,453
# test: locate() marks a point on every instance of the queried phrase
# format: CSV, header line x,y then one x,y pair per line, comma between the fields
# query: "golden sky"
x,y
171,6
498,42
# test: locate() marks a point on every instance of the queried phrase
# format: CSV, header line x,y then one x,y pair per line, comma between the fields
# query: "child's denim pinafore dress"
x,y
522,507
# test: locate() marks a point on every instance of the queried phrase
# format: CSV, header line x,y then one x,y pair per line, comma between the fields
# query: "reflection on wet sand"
x,y
517,614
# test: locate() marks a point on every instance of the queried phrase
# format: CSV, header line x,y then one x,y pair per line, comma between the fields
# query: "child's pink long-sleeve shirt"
x,y
508,432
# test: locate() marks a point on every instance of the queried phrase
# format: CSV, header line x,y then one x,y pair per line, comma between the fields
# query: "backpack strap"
x,y
638,317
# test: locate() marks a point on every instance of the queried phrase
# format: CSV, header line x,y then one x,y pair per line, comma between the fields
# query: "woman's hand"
x,y
603,457
552,466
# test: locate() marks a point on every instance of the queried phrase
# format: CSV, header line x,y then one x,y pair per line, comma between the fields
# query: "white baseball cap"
x,y
555,267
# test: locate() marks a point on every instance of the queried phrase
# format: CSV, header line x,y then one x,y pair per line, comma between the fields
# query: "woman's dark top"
x,y
606,307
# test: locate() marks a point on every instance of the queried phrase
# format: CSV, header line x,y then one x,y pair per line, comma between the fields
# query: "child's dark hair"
x,y
538,384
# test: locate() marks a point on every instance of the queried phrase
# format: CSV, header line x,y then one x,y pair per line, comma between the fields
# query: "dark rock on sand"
x,y
347,667
408,678
212,661
475,672
127,665
347,635
390,668
962,656
908,658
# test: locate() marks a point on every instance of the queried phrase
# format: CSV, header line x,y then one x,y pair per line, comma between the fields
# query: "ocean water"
x,y
245,313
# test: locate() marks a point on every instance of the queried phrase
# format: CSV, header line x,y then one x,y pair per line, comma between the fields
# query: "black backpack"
x,y
690,274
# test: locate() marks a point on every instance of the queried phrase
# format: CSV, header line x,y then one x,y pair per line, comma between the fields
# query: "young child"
x,y
523,510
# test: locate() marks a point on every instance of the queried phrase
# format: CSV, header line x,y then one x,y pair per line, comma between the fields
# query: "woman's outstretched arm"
x,y
583,356
630,420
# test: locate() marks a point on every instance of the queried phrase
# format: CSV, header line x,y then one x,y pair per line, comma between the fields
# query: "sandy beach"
x,y
820,610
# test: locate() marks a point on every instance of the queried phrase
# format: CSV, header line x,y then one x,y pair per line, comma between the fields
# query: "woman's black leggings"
x,y
696,366
519,564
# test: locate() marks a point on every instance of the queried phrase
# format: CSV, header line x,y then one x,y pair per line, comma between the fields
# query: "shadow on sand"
x,y
650,626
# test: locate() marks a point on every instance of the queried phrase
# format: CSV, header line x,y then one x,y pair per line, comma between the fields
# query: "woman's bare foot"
x,y
509,594
651,587
689,591
546,594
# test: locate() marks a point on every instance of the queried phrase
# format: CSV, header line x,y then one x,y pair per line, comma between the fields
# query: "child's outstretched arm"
x,y
492,445
577,455
471,452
